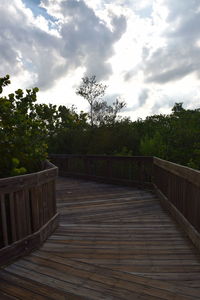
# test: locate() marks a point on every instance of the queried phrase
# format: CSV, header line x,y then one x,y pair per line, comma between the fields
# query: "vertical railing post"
x,y
4,220
140,172
109,168
13,217
66,164
86,166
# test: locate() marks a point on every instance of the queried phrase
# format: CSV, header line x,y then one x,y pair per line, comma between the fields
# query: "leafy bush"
x,y
22,133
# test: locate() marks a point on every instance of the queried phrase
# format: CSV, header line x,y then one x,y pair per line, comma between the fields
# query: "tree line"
x,y
29,131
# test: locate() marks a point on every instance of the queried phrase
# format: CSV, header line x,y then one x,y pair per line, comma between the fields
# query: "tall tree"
x,y
91,90
105,113
100,111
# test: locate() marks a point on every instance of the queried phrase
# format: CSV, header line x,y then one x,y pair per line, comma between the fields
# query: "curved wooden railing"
x,y
27,212
178,187
129,170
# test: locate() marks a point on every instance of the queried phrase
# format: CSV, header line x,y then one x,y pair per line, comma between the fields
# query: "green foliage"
x,y
16,170
4,81
106,114
28,130
124,152
71,132
174,137
91,90
192,164
153,146
100,111
22,134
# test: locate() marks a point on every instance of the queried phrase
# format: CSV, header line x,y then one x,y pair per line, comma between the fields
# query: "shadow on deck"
x,y
113,242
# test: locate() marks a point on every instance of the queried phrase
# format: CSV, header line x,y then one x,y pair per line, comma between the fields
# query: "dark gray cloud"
x,y
172,63
25,47
110,98
128,75
166,102
180,8
143,97
163,103
181,55
85,40
140,101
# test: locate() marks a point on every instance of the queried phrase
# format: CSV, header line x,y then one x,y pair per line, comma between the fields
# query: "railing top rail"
x,y
11,184
28,212
150,158
187,173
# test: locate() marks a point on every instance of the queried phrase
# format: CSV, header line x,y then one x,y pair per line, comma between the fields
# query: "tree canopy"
x,y
100,111
22,133
29,131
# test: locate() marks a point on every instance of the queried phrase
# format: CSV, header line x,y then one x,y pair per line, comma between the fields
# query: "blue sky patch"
x,y
37,10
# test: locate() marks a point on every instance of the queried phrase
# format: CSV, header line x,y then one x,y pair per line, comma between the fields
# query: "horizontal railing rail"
x,y
177,186
27,211
130,170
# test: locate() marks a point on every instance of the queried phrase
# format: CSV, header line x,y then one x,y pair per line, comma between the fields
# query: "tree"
x,y
70,134
100,111
22,133
106,114
91,90
154,146
177,108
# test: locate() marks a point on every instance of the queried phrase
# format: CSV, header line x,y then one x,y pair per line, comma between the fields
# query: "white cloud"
x,y
81,39
180,55
146,51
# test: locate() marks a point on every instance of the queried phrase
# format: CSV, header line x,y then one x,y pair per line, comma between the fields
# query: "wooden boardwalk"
x,y
112,243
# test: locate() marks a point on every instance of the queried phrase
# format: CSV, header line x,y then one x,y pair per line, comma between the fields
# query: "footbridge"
x,y
106,228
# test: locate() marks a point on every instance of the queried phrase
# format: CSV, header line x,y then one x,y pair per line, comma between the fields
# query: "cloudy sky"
x,y
146,51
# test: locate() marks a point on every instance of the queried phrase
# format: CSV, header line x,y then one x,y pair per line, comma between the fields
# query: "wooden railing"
x,y
178,187
129,170
27,212
179,190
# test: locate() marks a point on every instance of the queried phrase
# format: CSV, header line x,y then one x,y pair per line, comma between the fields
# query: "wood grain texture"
x,y
180,190
193,234
113,242
27,212
187,173
4,220
31,242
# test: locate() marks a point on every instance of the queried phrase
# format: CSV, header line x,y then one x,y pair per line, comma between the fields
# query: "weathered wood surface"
x,y
189,174
112,243
124,170
181,186
27,212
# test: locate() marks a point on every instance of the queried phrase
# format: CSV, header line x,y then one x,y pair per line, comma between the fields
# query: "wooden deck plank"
x,y
113,242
